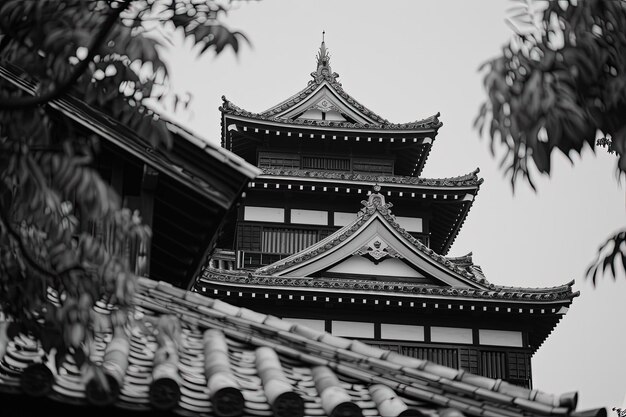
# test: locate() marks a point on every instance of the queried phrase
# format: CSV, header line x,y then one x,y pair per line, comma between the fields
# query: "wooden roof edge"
x,y
111,129
430,123
234,161
468,182
375,206
248,279
457,227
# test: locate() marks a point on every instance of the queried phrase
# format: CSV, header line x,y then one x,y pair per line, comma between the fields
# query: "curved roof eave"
x,y
468,181
428,124
552,295
374,206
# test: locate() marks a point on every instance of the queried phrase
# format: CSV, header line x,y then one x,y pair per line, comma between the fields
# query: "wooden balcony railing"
x,y
325,162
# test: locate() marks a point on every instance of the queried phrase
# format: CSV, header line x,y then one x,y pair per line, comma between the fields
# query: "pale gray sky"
x,y
407,60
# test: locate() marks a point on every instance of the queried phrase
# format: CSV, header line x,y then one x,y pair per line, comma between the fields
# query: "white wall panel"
x,y
353,329
302,216
402,332
500,338
264,214
450,335
341,218
318,325
410,224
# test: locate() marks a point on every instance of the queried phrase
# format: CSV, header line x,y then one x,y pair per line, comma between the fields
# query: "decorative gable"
x,y
378,250
390,268
325,104
373,247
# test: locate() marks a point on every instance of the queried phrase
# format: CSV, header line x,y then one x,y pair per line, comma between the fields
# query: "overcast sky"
x,y
407,60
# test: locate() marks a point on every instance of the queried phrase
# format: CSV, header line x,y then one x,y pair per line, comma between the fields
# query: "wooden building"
x,y
183,193
299,247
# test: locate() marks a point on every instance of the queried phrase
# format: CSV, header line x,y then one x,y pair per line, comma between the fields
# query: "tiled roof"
x,y
374,205
463,267
324,76
390,288
428,123
203,357
467,180
120,135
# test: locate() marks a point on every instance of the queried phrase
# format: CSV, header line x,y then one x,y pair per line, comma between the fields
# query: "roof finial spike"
x,y
323,71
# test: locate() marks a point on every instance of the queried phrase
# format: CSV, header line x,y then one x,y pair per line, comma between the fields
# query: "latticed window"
x,y
493,364
322,162
286,241
442,356
279,160
373,166
519,366
249,237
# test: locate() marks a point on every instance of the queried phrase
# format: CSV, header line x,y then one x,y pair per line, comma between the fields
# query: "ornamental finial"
x,y
323,71
323,58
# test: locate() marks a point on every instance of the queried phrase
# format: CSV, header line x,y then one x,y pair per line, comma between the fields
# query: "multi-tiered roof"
x,y
323,117
324,108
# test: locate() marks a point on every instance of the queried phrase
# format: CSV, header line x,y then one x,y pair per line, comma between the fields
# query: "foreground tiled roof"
x,y
203,357
468,180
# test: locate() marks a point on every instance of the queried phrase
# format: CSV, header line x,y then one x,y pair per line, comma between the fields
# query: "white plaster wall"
x,y
500,338
318,325
450,335
342,218
353,329
402,332
336,116
264,214
302,216
312,114
410,224
389,267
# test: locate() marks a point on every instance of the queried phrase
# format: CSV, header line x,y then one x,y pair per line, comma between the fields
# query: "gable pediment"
x,y
375,251
325,104
376,237
358,265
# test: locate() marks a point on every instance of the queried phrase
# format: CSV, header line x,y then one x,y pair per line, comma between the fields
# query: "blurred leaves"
x,y
64,235
558,85
611,254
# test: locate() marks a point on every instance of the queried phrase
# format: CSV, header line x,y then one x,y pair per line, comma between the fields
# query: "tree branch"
x,y
14,103
6,223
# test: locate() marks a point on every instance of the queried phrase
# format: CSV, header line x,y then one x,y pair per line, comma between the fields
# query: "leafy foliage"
x,y
54,206
612,252
559,84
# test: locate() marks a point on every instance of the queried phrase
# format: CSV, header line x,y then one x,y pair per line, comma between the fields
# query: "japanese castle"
x,y
342,234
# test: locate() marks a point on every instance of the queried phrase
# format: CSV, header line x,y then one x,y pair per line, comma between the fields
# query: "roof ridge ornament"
x,y
375,202
323,71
